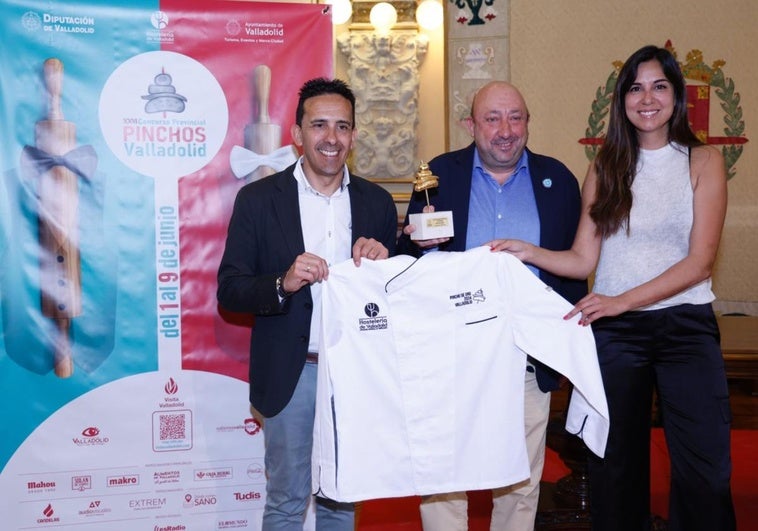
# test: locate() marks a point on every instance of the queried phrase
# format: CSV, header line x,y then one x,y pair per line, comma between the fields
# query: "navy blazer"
x,y
558,198
263,240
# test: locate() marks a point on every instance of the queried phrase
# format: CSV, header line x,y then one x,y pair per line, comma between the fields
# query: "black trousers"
x,y
676,351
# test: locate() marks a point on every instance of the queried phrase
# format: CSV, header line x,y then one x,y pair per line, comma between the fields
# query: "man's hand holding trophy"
x,y
429,225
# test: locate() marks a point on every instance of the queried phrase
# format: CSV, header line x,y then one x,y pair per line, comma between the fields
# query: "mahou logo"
x,y
90,437
40,486
171,388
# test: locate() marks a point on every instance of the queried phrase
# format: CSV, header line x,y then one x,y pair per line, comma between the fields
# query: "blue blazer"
x,y
263,239
558,198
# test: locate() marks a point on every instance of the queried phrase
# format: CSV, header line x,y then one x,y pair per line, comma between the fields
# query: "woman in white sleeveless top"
x,y
654,202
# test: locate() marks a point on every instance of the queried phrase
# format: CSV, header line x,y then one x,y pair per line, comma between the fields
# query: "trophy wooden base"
x,y
432,225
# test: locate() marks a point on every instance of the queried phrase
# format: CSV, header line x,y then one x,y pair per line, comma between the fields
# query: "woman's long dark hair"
x,y
616,159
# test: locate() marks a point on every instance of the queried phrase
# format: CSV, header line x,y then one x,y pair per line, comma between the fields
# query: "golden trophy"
x,y
429,225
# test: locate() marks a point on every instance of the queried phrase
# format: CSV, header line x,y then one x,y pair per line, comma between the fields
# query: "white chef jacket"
x,y
421,374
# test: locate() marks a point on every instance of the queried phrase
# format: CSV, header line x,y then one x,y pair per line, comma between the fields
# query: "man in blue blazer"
x,y
284,233
497,188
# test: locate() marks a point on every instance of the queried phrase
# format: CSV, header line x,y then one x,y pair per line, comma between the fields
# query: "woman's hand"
x,y
594,306
520,249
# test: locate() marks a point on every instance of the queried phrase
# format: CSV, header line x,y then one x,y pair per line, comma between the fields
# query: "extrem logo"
x,y
374,321
468,297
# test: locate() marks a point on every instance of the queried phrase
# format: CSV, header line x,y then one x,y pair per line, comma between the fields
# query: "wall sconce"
x,y
382,16
384,50
429,14
342,10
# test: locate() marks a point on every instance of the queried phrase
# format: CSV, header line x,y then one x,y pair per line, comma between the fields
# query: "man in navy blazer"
x,y
284,233
558,203
497,188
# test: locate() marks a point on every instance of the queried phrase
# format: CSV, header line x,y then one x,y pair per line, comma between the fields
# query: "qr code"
x,y
173,427
172,430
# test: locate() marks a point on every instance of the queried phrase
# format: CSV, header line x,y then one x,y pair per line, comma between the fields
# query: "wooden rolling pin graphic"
x,y
60,269
261,136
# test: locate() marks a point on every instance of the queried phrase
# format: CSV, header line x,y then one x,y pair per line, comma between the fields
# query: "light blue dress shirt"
x,y
502,211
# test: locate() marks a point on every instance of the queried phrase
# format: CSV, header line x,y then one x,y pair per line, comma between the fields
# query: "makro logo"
x,y
49,517
90,437
123,481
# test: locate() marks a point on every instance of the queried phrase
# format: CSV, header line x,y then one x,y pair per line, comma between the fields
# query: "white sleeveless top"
x,y
660,225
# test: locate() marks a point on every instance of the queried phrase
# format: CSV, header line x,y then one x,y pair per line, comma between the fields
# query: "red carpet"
x,y
744,476
401,514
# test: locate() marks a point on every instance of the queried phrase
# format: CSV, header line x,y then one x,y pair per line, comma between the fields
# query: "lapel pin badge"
x,y
547,183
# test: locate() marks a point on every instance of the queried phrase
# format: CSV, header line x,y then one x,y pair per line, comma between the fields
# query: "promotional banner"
x,y
127,131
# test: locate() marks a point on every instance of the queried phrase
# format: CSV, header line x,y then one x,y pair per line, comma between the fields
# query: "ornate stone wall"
x,y
477,52
383,71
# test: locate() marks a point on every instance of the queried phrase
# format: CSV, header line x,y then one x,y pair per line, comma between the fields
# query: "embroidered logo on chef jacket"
x,y
374,321
468,297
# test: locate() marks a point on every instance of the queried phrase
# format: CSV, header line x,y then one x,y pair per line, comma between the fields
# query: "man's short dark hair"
x,y
318,87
